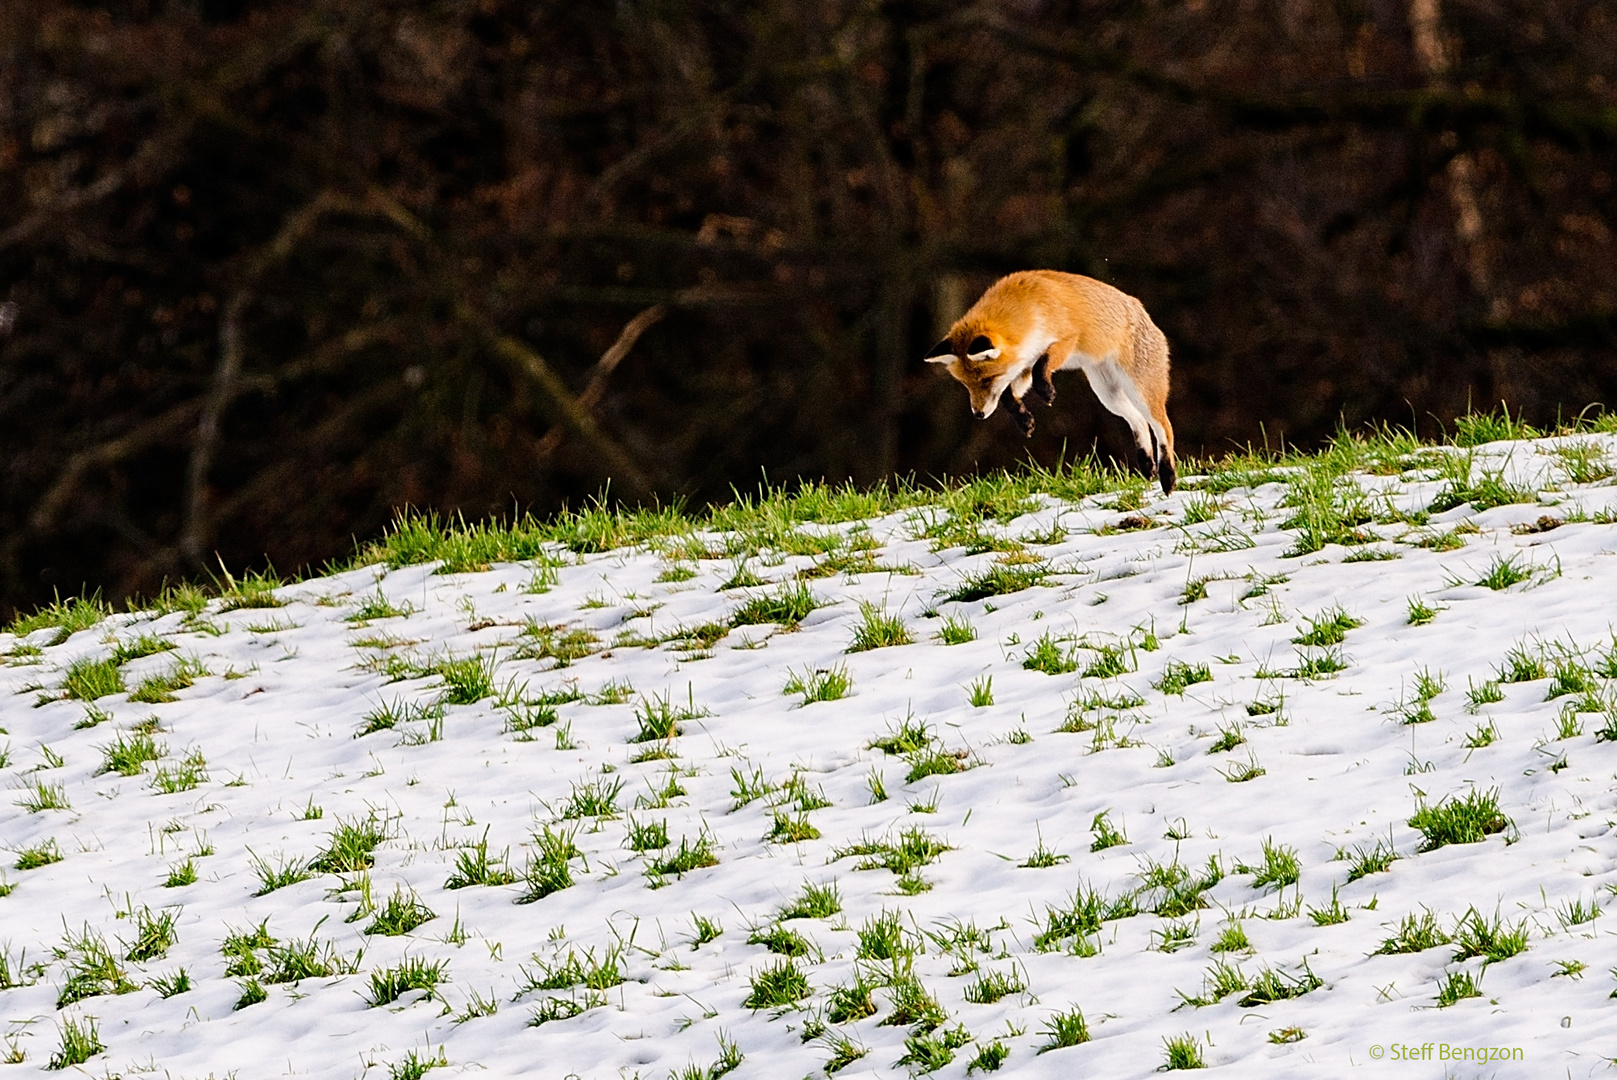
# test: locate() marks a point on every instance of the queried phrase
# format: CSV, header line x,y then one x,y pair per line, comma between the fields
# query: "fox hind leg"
x,y
1145,460
1167,469
1118,393
1162,439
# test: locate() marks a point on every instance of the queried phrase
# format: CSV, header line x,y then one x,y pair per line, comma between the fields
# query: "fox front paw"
x,y
1042,387
1022,416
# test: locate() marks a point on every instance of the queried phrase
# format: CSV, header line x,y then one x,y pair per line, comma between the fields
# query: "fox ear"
x,y
941,353
979,344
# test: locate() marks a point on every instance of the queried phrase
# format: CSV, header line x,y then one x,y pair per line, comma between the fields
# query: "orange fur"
x,y
1031,323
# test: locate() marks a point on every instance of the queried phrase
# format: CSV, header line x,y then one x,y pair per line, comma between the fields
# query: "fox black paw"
x,y
1023,418
1145,463
1043,388
1167,475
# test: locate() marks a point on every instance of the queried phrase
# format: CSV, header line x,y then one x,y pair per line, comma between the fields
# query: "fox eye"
x,y
979,344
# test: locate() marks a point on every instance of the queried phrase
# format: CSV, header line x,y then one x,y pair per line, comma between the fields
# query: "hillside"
x,y
1041,773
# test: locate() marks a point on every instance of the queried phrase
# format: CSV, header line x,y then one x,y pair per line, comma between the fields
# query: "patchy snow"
x,y
1341,771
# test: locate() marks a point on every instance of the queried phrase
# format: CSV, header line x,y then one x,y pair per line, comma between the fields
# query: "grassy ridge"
x,y
1325,510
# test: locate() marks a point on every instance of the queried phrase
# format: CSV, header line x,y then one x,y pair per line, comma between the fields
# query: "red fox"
x,y
1031,323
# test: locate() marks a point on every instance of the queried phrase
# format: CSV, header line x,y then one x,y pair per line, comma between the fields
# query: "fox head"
x,y
980,365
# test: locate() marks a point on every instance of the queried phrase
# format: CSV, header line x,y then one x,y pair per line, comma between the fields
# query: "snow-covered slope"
x,y
1148,691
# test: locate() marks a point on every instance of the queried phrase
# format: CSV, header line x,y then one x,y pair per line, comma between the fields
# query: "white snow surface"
x,y
276,722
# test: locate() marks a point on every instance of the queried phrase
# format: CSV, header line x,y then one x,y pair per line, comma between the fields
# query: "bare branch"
x,y
603,369
576,419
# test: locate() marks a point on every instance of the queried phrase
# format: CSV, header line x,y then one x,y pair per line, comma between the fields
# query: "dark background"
x,y
282,267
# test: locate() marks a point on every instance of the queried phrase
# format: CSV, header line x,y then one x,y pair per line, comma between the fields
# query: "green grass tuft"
x,y
154,934
282,873
956,630
786,829
1049,656
1330,915
878,630
787,607
1280,867
913,849
814,902
689,855
1106,835
79,1043
781,940
779,986
160,688
90,969
998,580
350,847
549,868
1456,987
88,679
1178,676
1272,984
819,684
990,1057
34,856
596,798
1329,627
41,796
910,737
1231,939
1474,429
1466,819
1420,612
142,645
1504,571
1415,933
414,1066
126,756
1182,1052
927,1052
1375,860
884,937
474,866
293,961
181,874
990,986
67,617
934,760
185,775
168,986
402,913
913,1005
467,680
1064,1030
254,590
1495,940
389,984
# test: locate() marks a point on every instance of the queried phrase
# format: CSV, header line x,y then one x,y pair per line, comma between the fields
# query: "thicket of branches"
x,y
284,266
